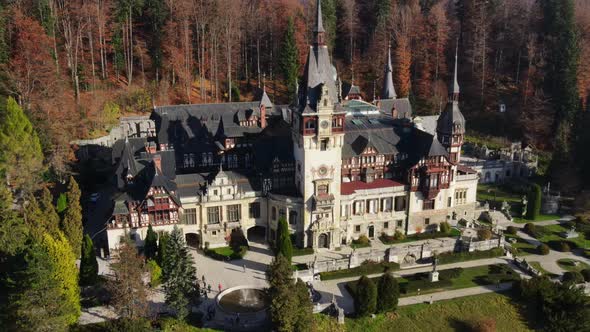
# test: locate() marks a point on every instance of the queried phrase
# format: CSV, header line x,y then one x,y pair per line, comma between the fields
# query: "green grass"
x,y
537,266
522,246
551,234
491,192
224,251
302,251
449,315
568,265
540,217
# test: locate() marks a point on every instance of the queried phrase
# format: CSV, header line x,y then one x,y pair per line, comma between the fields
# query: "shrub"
x,y
543,249
573,276
388,293
399,236
445,227
586,274
530,229
484,234
511,230
534,208
237,239
365,300
483,325
362,240
564,246
155,273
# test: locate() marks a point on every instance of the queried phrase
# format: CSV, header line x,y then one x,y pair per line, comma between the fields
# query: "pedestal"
x,y
433,276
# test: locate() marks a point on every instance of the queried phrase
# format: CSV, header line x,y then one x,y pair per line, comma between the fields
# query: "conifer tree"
x,y
304,320
21,158
329,20
150,246
284,245
62,203
365,301
50,214
13,230
4,51
284,306
163,241
36,299
72,220
66,273
179,274
34,217
156,14
290,59
88,263
388,291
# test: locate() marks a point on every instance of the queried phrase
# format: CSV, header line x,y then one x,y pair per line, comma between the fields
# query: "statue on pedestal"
x,y
524,206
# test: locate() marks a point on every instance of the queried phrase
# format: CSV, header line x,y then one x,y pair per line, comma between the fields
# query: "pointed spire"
x,y
319,27
318,30
388,89
456,89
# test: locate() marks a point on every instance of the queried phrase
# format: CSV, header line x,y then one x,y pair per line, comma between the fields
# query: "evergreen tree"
x,y
36,298
289,60
150,247
50,214
21,158
62,203
329,20
163,241
284,306
72,219
156,14
4,51
388,290
179,273
88,263
284,245
129,293
534,199
13,230
66,273
304,321
365,301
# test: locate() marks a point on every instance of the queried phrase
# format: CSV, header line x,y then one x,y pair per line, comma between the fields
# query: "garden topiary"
x,y
573,276
511,230
543,249
564,246
445,227
586,274
484,234
530,229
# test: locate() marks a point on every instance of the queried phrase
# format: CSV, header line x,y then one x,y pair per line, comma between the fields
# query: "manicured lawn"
x,y
540,217
422,236
568,265
539,268
524,248
224,251
490,192
552,235
469,277
449,315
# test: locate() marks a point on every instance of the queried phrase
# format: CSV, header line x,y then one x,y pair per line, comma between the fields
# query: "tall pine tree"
x,y
72,219
150,246
289,60
13,230
88,263
284,306
21,158
48,209
179,274
388,291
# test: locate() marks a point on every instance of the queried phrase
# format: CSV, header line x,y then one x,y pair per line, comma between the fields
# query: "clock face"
x,y
323,170
324,124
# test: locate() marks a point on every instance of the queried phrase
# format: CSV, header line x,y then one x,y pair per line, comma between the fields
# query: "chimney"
x,y
262,116
157,159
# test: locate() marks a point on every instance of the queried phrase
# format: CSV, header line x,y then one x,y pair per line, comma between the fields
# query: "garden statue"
x,y
524,206
505,207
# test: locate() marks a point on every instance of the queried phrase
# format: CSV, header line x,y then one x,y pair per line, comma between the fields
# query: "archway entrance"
x,y
371,232
323,241
256,234
193,240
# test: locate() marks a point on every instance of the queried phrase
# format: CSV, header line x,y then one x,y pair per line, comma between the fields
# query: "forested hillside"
x,y
76,66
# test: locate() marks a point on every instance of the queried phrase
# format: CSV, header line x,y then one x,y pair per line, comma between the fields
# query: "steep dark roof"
x,y
450,117
388,91
377,131
318,71
401,105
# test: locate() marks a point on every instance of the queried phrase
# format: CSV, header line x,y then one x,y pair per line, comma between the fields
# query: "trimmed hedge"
x,y
221,257
543,249
586,274
447,258
573,276
366,268
450,273
511,230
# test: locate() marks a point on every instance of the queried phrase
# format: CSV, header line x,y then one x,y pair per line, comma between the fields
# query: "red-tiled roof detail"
x,y
347,188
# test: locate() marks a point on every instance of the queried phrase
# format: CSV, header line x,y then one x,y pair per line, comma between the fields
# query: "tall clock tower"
x,y
318,137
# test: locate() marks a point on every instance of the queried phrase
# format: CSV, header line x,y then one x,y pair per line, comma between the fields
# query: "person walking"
x,y
244,268
219,287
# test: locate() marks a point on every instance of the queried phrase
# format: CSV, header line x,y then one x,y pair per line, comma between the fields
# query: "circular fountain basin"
x,y
243,300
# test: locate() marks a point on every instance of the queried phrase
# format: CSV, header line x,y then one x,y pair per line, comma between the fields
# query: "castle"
x,y
333,165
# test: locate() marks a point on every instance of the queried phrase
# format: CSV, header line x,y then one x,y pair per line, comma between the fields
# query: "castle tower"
x,y
318,136
450,126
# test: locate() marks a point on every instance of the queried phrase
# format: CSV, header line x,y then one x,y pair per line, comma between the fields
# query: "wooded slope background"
x,y
75,66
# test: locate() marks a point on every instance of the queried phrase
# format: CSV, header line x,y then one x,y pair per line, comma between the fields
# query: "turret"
x,y
388,91
319,31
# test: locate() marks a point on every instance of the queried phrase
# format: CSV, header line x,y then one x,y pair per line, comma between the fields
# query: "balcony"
x,y
323,201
